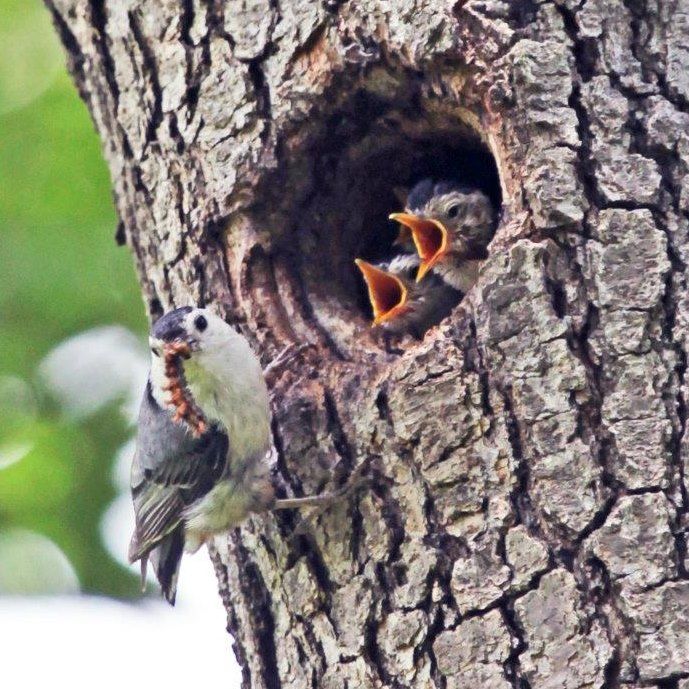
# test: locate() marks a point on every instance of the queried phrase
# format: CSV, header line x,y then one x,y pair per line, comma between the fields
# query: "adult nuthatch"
x,y
451,225
399,303
203,435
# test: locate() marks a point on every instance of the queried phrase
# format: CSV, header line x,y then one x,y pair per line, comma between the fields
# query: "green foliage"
x,y
61,273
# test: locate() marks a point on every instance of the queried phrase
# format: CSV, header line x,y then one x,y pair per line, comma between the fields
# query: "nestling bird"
x,y
443,238
202,439
399,303
451,225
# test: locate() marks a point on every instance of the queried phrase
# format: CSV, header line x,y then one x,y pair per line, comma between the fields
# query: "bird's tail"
x,y
165,558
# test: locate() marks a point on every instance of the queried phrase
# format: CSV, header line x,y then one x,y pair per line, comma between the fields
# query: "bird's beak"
x,y
386,292
430,238
162,347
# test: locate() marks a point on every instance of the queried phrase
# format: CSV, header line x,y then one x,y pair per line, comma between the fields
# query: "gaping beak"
x,y
386,292
430,238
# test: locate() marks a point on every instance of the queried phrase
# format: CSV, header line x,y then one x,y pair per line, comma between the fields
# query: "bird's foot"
x,y
323,501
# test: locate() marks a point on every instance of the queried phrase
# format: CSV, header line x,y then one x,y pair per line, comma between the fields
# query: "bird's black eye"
x,y
201,323
155,351
453,211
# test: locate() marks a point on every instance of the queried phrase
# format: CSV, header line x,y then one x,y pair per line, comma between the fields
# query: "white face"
x,y
207,332
201,329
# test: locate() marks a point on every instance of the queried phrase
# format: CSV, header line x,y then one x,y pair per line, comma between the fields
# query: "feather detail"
x,y
166,559
163,516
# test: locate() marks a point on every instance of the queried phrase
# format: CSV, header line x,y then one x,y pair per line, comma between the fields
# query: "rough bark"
x,y
527,523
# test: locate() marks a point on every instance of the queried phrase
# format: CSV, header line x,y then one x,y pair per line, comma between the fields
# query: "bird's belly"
x,y
249,436
244,417
226,505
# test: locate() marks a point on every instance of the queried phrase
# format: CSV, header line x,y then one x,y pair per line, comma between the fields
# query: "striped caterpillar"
x,y
185,408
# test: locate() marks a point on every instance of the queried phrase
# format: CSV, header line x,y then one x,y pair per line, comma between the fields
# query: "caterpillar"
x,y
185,409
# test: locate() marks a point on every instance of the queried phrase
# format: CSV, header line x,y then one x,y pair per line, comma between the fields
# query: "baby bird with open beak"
x,y
399,303
451,225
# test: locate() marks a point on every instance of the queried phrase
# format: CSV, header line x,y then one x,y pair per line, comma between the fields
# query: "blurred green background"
x,y
61,274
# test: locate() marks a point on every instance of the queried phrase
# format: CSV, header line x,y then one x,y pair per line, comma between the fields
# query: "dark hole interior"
x,y
351,174
390,173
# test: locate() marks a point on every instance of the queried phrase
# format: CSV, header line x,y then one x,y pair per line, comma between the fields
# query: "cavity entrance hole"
x,y
344,179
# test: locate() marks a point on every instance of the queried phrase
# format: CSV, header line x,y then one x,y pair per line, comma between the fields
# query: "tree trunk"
x,y
527,522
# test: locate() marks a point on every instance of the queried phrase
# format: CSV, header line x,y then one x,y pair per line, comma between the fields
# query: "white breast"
x,y
228,386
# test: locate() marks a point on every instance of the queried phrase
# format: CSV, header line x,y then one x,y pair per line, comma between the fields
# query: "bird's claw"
x,y
323,501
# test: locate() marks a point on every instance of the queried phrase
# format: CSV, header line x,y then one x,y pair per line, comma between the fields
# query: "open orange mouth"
x,y
430,238
386,292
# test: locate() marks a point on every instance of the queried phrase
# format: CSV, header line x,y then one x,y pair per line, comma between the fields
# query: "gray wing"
x,y
171,470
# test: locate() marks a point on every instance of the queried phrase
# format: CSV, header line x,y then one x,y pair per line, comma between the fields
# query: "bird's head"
x,y
446,218
197,331
206,345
